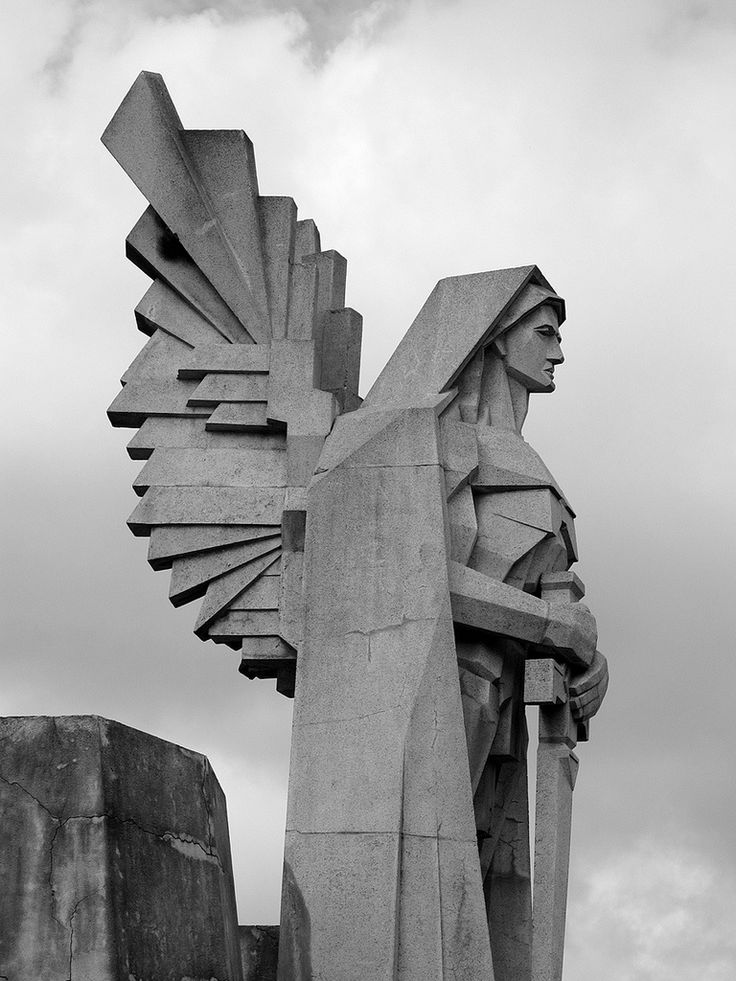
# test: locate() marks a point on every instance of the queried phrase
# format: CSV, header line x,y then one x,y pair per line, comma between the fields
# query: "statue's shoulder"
x,y
507,462
393,434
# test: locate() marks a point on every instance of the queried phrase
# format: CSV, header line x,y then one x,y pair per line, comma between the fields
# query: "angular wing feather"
x,y
251,356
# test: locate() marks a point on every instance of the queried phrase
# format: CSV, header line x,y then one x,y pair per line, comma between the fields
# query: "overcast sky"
x,y
595,138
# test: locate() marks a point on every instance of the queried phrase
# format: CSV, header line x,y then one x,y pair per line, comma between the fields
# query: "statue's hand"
x,y
572,630
588,689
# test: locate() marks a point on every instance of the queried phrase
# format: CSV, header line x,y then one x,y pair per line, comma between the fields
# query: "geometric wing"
x,y
252,354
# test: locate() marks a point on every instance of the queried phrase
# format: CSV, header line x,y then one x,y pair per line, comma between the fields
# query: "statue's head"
x,y
531,348
468,328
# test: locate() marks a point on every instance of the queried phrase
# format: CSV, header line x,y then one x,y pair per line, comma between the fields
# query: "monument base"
x,y
114,858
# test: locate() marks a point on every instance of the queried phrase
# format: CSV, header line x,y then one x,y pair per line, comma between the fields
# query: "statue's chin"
x,y
530,382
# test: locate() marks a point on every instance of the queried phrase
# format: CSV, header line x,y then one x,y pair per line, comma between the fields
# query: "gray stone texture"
x,y
381,849
115,856
259,951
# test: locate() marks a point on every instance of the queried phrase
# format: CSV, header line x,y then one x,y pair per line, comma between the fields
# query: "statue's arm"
x,y
478,601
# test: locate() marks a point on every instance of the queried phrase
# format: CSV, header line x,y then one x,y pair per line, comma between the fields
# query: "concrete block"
x,y
259,951
278,223
161,308
163,431
171,542
115,856
222,591
544,682
207,506
303,288
463,525
302,456
266,657
317,413
339,358
226,161
292,378
225,358
296,499
459,443
237,417
153,397
158,359
332,269
212,468
159,254
234,625
191,575
216,388
291,598
565,584
405,437
292,397
263,594
307,240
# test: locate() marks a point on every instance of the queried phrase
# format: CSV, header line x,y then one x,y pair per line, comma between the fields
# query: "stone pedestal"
x,y
114,857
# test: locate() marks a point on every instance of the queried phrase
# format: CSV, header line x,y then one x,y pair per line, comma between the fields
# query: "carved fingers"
x,y
588,689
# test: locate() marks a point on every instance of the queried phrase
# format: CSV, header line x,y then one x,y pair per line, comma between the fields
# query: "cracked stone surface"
x,y
382,877
114,858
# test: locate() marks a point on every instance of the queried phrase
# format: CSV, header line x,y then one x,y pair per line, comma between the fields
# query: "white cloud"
x,y
660,911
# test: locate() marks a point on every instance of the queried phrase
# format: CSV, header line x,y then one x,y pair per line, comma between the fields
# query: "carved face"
x,y
531,349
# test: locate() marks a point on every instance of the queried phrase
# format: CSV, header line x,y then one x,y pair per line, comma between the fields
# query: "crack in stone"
x,y
166,836
71,932
210,822
14,783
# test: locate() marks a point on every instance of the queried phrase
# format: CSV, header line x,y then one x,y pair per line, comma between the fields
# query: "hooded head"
x,y
463,316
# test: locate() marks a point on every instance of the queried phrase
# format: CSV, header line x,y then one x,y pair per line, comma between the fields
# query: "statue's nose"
x,y
555,355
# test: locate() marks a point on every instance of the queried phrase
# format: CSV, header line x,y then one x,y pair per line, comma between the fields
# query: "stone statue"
x,y
399,564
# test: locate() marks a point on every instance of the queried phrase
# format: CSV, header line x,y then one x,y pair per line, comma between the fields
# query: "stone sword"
x,y
547,684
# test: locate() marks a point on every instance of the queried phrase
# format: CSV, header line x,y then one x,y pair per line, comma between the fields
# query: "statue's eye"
x,y
546,331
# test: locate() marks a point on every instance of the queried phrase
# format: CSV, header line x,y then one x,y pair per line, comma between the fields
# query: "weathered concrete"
x,y
114,856
381,848
259,952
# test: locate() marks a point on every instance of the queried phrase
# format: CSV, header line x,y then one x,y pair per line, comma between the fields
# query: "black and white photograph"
x,y
367,518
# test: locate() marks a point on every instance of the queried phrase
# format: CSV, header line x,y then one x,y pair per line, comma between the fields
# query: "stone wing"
x,y
252,354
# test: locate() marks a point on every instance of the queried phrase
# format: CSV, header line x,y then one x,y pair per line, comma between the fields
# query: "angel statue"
x,y
399,564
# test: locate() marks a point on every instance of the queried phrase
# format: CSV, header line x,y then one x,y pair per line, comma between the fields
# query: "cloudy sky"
x,y
428,138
